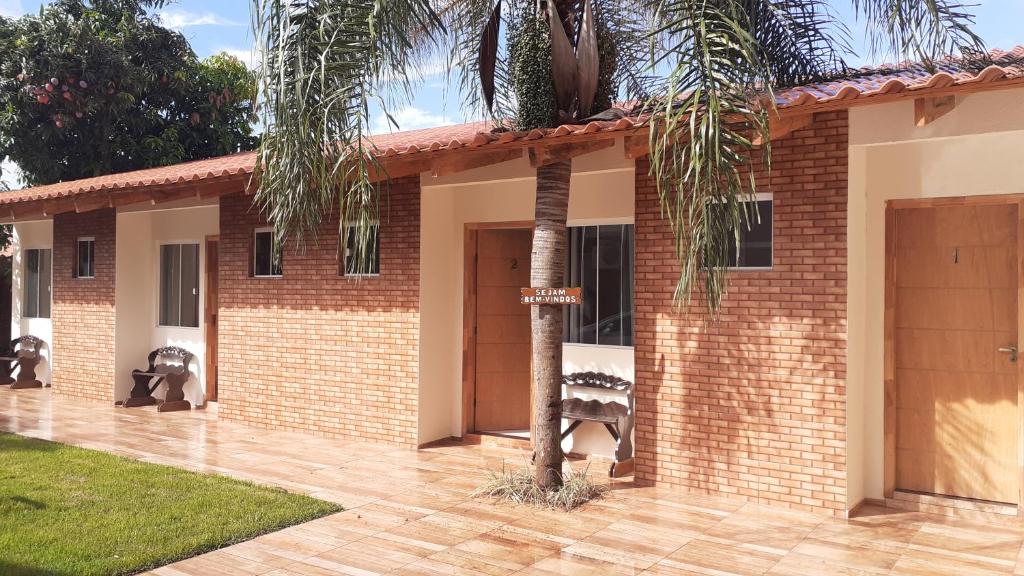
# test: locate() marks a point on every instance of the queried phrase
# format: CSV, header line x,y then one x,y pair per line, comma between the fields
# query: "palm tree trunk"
x,y
547,270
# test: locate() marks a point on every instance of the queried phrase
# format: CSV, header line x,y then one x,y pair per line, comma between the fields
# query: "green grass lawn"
x,y
67,510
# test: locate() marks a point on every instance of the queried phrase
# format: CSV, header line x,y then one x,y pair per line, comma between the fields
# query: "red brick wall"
x,y
83,308
315,352
752,404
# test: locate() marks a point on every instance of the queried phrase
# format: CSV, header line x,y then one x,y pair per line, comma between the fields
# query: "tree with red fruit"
x,y
96,87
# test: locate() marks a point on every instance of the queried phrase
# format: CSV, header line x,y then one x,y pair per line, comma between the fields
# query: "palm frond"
x,y
924,30
800,40
463,22
706,109
324,63
488,60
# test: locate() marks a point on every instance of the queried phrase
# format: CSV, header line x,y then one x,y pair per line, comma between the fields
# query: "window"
x,y
85,258
600,261
179,285
37,283
755,248
369,268
266,255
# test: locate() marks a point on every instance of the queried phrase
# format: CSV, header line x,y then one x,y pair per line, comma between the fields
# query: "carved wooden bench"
x,y
26,352
616,416
172,368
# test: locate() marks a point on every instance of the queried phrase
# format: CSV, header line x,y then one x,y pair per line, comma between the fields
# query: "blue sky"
x,y
214,26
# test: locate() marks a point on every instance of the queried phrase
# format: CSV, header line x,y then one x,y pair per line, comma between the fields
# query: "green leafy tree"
x,y
92,88
702,70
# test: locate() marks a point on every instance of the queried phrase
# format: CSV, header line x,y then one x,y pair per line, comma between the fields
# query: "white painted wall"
x,y
139,236
602,192
28,235
974,150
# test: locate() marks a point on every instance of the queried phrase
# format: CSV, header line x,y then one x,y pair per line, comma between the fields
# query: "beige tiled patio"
x,y
410,512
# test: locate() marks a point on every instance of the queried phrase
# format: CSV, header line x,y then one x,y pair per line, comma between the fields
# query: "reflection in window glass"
x,y
179,285
85,261
266,257
37,283
755,249
189,285
600,261
369,268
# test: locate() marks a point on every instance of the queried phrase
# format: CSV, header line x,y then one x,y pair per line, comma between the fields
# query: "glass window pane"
x,y
190,285
170,284
31,283
756,242
45,277
368,268
609,290
626,279
86,259
571,328
600,261
275,263
263,253
375,265
588,282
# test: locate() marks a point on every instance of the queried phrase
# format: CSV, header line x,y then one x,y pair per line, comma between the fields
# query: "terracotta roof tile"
x,y
866,83
210,169
890,79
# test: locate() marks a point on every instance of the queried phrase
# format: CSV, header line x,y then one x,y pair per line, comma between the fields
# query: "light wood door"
x,y
957,423
502,397
212,288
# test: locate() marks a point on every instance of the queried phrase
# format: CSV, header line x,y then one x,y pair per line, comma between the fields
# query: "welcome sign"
x,y
557,296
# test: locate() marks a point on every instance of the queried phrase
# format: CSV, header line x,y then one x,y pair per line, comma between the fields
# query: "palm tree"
x,y
701,71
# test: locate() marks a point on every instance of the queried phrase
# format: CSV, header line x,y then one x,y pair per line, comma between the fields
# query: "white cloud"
x,y
10,175
176,19
11,8
409,118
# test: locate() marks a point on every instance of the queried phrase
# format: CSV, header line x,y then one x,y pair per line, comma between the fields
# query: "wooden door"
x,y
503,376
212,282
955,280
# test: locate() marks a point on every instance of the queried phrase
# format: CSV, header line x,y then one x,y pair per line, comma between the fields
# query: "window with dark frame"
x,y
38,278
179,285
755,247
600,261
266,255
349,266
85,258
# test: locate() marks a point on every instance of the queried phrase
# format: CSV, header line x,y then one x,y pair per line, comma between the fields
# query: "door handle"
x,y
1011,350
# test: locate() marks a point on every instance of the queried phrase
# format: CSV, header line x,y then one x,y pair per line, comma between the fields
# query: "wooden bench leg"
x,y
5,373
620,469
572,428
26,374
623,447
175,398
141,394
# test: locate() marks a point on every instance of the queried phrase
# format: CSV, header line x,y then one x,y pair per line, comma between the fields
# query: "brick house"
x,y
861,352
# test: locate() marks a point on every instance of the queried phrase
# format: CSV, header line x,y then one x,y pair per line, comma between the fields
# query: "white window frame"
x,y
343,267
78,251
24,281
273,253
200,280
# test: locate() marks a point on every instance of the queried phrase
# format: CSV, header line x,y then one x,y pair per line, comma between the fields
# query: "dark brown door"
x,y
955,334
502,398
212,281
